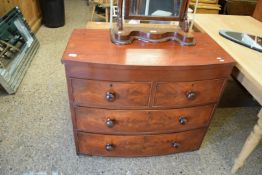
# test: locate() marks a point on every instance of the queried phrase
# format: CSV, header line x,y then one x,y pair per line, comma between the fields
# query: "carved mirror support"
x,y
152,21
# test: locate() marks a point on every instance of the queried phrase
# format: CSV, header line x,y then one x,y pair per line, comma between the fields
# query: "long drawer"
x,y
107,94
181,94
143,145
141,121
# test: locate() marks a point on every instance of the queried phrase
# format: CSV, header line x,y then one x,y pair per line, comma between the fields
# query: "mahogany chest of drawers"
x,y
142,99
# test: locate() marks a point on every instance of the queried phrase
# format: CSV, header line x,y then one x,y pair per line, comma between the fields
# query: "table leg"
x,y
107,13
93,11
250,144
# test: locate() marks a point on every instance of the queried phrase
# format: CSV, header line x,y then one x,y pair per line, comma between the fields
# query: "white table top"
x,y
249,62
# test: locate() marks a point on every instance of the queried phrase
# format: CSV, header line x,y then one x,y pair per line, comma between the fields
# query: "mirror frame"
x,y
183,9
180,33
12,75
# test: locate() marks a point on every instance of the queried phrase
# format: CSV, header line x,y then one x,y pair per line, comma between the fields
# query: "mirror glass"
x,y
250,41
155,8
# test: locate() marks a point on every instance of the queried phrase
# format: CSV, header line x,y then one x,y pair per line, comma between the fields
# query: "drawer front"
x,y
141,121
86,71
182,94
144,145
110,94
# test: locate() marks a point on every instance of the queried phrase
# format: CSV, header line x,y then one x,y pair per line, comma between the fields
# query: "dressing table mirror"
x,y
151,21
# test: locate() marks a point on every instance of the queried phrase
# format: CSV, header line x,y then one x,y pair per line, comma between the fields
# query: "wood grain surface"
x,y
139,122
94,46
145,145
145,73
176,94
142,99
93,93
258,11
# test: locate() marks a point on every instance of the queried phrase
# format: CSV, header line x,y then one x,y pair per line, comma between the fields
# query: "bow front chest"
x,y
142,99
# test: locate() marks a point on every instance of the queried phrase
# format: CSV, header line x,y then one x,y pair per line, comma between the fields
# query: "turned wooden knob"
x,y
182,120
110,123
110,96
109,147
191,95
175,144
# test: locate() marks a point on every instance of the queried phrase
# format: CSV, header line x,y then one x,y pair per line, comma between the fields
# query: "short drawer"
x,y
141,121
181,94
143,145
106,94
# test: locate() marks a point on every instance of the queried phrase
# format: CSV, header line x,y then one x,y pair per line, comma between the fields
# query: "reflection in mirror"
x,y
250,41
155,8
13,41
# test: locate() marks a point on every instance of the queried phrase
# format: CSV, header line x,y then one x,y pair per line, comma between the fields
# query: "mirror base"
x,y
152,36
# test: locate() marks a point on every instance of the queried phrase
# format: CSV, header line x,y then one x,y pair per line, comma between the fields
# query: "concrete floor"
x,y
36,131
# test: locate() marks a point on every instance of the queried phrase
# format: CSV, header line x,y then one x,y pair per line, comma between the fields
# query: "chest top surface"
x,y
94,47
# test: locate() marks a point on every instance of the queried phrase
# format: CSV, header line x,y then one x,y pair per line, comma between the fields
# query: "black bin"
x,y
53,12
